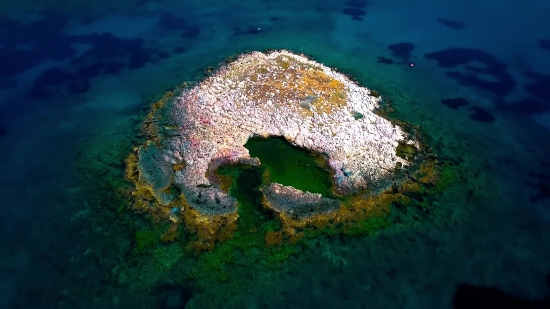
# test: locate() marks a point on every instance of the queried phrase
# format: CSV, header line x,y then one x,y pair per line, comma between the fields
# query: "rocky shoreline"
x,y
276,94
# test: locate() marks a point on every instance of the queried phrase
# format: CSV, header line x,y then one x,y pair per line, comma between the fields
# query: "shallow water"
x,y
77,77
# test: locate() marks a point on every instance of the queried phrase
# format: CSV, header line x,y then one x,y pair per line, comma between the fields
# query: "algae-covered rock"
x,y
155,171
406,151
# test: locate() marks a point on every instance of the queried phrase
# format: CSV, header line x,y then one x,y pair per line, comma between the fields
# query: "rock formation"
x,y
260,95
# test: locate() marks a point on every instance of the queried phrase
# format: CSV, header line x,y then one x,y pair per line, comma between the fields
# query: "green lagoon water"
x,y
291,166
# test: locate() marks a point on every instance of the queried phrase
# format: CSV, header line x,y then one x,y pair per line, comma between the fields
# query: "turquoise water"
x,y
76,78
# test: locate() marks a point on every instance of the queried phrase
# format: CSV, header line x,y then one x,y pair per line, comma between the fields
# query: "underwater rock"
x,y
451,23
384,60
201,128
481,115
355,13
455,103
402,50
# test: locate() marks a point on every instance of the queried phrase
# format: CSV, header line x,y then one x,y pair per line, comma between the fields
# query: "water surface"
x,y
77,77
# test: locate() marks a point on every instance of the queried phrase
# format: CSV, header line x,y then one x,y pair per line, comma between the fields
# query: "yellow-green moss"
x,y
447,177
406,151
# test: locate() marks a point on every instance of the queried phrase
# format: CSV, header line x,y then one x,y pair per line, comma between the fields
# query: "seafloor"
x,y
77,78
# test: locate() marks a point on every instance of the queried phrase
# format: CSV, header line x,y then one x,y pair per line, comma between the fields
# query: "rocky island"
x,y
200,128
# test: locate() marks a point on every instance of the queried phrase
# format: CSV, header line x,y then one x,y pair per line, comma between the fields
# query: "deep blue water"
x,y
474,75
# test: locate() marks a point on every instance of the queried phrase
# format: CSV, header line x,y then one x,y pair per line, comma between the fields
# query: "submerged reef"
x,y
198,131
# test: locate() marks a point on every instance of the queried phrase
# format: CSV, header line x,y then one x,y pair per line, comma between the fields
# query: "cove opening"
x,y
245,182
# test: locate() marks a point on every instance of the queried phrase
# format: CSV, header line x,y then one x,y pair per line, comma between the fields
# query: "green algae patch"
x,y
291,166
150,237
369,226
448,176
247,247
145,239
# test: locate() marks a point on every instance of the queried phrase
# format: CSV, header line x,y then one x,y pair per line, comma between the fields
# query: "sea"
x,y
77,79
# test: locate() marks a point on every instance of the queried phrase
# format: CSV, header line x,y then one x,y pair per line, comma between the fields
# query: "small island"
x,y
199,129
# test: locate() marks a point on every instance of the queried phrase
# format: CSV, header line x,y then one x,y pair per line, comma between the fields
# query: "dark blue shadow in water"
x,y
480,114
541,184
455,103
163,55
355,13
540,85
384,60
476,113
501,82
544,44
169,21
25,46
451,23
468,296
178,50
191,32
28,45
402,50
525,107
539,88
355,9
543,193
